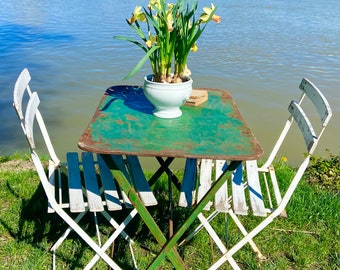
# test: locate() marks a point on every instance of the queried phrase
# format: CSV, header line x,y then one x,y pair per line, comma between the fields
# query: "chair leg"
x,y
53,260
111,239
198,229
231,261
116,226
77,219
64,236
212,233
244,232
205,223
133,256
97,228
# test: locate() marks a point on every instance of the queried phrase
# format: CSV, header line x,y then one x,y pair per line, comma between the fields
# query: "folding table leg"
x,y
196,211
163,168
124,184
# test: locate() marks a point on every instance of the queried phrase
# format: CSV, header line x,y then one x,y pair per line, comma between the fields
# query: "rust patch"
x,y
130,117
119,122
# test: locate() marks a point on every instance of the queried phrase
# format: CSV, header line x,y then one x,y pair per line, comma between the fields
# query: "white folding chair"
x,y
91,193
262,204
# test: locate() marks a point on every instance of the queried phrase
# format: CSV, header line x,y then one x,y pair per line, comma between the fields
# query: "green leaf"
x,y
132,41
141,63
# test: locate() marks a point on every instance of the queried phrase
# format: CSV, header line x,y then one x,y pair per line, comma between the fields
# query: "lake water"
x,y
259,53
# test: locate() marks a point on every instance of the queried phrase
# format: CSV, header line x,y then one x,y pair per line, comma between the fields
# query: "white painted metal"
x,y
21,85
311,138
81,198
212,233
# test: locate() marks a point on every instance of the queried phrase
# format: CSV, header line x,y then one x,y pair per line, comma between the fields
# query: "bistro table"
x,y
123,124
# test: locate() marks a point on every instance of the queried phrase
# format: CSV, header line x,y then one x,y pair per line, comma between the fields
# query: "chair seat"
x,y
242,195
91,185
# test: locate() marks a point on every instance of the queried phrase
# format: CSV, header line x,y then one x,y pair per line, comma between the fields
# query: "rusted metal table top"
x,y
124,124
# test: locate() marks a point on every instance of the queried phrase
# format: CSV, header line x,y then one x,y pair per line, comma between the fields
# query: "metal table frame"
x,y
123,124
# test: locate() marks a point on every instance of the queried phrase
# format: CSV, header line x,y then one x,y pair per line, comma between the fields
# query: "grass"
x,y
308,239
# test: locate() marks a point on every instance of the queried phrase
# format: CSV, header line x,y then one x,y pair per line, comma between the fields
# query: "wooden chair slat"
x,y
255,194
188,187
91,183
239,201
205,181
110,190
318,99
119,161
76,198
221,196
141,184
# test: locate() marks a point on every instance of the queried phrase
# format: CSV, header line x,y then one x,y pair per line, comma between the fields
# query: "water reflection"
x,y
259,52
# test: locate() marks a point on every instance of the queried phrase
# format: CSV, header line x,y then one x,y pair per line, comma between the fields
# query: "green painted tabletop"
x,y
124,124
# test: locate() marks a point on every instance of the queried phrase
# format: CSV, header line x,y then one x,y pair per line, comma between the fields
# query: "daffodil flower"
x,y
154,3
194,48
169,18
137,15
148,43
170,34
205,17
152,40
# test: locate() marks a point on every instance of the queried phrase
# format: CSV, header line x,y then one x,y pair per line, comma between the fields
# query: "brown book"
x,y
197,97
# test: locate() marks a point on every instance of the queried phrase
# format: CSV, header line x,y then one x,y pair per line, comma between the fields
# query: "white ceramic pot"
x,y
167,97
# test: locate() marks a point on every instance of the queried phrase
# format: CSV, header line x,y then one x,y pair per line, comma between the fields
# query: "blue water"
x,y
259,53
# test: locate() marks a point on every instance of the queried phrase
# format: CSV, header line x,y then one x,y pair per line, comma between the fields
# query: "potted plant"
x,y
168,33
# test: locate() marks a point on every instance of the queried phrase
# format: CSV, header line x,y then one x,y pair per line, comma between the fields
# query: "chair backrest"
x,y
27,123
297,113
20,86
31,111
20,89
311,137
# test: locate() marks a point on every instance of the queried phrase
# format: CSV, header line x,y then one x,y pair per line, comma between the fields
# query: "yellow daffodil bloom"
x,y
194,48
149,43
137,15
154,3
169,18
169,35
152,40
206,14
